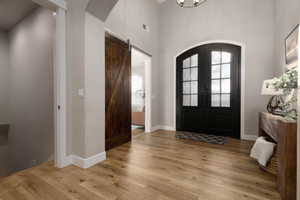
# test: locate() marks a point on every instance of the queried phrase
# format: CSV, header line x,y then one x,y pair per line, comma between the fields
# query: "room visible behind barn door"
x,y
118,92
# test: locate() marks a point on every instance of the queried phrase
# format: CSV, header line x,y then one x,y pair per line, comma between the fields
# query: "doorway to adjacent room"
x,y
128,91
140,91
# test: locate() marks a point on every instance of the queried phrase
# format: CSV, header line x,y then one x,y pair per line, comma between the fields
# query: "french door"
x,y
208,90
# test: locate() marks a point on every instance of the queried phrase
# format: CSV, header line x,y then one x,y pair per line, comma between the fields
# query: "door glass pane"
x,y
187,63
190,81
194,74
194,100
187,74
215,57
225,85
186,87
215,86
226,57
194,87
194,60
186,100
225,100
215,100
226,71
215,71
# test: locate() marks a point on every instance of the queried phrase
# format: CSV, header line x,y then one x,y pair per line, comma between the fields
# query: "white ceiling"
x,y
13,11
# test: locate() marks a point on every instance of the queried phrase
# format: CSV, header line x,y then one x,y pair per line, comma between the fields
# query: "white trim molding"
x,y
148,99
243,78
61,89
86,162
162,127
154,128
148,87
167,128
60,81
249,137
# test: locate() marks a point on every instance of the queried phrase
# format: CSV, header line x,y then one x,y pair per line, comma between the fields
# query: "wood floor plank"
x,y
68,184
196,183
154,166
196,175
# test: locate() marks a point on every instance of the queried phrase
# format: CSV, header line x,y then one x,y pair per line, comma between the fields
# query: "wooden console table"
x,y
283,133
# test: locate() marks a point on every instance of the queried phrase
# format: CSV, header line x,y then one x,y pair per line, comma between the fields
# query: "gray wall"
x,y
94,86
287,15
85,62
4,73
31,138
75,76
249,22
77,116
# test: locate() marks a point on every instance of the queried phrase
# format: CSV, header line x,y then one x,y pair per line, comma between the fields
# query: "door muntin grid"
x,y
190,81
221,62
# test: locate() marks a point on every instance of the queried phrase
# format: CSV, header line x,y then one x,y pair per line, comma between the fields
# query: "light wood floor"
x,y
137,132
155,166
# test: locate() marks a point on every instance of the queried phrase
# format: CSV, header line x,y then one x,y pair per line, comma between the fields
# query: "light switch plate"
x,y
81,92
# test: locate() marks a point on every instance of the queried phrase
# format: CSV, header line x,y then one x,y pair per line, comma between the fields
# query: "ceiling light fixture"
x,y
190,3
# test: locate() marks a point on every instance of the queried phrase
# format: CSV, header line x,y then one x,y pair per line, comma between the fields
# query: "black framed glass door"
x,y
208,90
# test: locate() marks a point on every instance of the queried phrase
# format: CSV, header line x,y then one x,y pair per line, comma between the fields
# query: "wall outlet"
x,y
34,162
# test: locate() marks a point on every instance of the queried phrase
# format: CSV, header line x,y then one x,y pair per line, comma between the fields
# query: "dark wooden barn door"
x,y
208,90
118,92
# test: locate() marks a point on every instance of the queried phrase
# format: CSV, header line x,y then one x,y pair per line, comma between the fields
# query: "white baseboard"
x,y
85,162
162,127
68,161
249,137
154,128
167,128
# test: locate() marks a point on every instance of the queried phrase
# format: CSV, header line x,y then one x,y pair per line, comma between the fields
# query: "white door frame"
x,y
243,84
60,81
148,99
148,88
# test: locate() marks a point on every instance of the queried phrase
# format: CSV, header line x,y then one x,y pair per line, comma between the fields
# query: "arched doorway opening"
x,y
208,90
